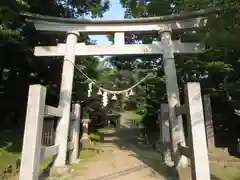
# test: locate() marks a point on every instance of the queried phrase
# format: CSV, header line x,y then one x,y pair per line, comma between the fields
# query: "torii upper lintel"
x,y
182,21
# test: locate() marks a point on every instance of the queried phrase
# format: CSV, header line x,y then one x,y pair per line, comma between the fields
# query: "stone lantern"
x,y
85,140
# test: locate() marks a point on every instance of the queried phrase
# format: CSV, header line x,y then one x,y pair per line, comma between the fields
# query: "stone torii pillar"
x,y
65,97
176,122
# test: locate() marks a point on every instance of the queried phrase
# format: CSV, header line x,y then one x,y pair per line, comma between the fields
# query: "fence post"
x,y
30,161
197,135
75,132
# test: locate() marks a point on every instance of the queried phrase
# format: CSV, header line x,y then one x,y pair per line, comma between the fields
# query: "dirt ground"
x,y
135,161
123,155
121,163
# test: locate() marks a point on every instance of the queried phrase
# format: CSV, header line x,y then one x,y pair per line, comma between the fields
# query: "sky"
x,y
115,12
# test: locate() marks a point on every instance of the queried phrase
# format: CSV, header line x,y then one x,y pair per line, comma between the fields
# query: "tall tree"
x,y
17,40
218,68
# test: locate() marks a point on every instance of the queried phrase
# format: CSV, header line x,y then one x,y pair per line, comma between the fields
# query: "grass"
x,y
10,146
87,155
7,158
105,130
136,117
9,153
237,176
10,149
95,137
224,173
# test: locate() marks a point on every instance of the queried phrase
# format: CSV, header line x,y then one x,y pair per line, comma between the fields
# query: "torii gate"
x,y
164,25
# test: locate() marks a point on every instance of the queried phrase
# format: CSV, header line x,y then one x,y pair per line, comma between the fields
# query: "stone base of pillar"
x,y
85,137
181,161
167,158
60,171
211,145
166,154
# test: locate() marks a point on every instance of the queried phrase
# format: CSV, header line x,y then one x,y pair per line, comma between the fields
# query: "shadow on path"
x,y
129,140
121,173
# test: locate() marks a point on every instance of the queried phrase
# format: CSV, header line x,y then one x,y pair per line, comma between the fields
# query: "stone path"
x,y
123,164
123,156
119,165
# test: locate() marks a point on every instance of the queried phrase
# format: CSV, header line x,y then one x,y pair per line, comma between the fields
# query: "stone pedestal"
x,y
85,140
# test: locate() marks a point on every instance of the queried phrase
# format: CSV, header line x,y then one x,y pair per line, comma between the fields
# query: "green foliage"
x,y
17,40
218,69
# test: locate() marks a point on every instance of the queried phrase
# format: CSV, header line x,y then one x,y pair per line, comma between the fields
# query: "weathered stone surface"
x,y
60,171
